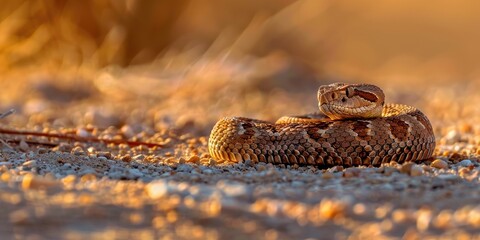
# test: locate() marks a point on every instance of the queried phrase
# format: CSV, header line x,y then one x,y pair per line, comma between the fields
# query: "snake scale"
x,y
355,127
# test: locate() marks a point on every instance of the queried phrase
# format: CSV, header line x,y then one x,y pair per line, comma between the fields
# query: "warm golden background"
x,y
434,40
166,51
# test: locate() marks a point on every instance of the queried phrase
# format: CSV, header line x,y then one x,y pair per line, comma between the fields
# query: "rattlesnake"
x,y
355,127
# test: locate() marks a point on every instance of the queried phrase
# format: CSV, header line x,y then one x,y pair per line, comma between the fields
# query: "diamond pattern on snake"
x,y
354,127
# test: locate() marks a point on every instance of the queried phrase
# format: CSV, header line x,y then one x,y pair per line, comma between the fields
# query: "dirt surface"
x,y
152,177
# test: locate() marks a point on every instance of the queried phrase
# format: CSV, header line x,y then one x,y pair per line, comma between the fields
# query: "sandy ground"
x,y
169,187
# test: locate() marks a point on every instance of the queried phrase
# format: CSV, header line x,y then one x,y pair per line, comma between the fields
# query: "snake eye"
x,y
349,92
333,95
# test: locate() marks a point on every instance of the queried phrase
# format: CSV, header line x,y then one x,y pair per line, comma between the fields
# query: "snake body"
x,y
354,128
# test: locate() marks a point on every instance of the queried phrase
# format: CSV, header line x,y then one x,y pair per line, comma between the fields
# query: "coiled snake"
x,y
355,127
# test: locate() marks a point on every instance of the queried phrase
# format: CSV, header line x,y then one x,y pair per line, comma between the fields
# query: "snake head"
x,y
346,101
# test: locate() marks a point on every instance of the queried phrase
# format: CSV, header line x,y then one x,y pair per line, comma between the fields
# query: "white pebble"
x,y
81,132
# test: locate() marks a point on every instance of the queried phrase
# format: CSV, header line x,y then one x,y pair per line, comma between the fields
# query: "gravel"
x,y
52,188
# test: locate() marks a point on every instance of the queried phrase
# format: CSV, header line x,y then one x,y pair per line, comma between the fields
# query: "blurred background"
x,y
259,59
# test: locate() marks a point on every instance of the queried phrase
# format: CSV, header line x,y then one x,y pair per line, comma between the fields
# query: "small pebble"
x,y
439,164
351,172
23,146
81,132
77,151
464,172
126,158
139,157
31,163
416,170
407,168
212,162
42,150
127,131
106,155
194,159
328,175
465,163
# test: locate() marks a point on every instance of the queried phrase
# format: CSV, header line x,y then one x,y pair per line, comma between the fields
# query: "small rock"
x,y
328,175
466,163
42,150
212,162
261,167
416,170
464,172
82,132
106,155
139,157
63,147
91,150
126,158
439,164
23,146
31,163
351,172
194,159
427,168
407,168
77,151
127,131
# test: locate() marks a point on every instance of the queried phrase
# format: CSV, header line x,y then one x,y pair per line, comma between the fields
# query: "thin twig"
x,y
79,139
